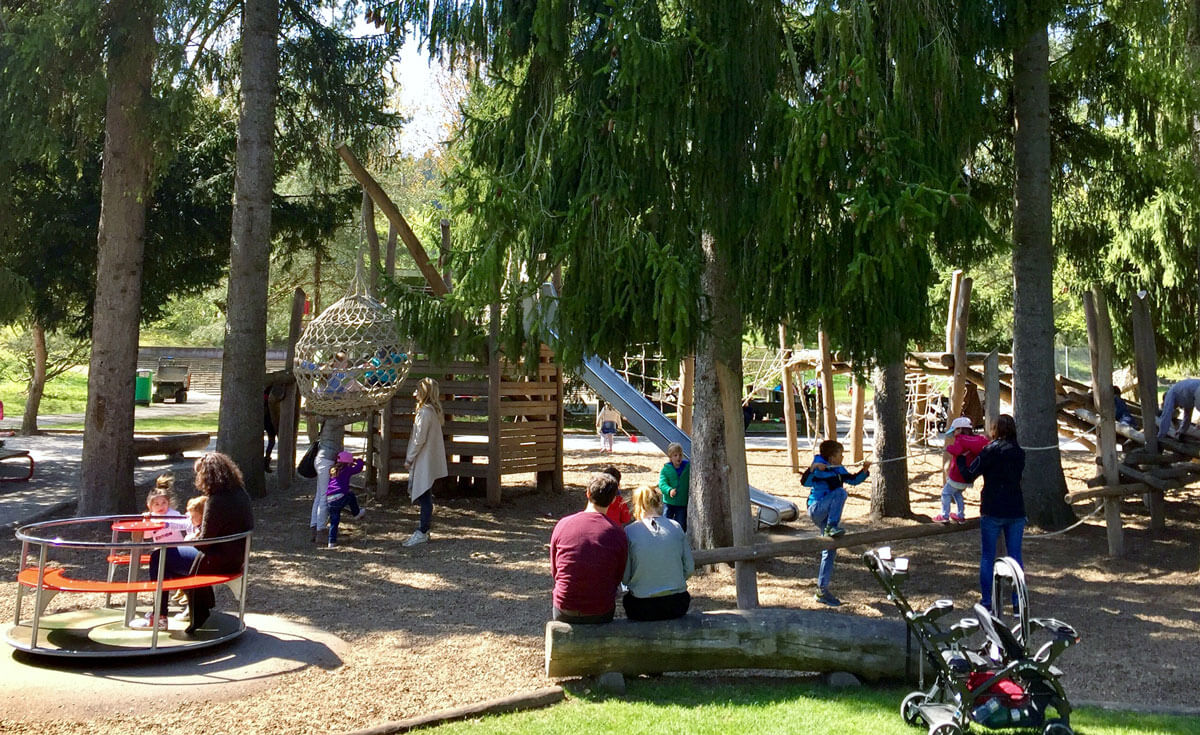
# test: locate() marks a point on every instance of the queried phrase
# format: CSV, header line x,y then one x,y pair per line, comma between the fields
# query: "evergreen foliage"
x,y
606,138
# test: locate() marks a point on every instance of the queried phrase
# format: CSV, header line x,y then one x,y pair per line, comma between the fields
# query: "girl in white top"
x,y
608,423
659,561
426,456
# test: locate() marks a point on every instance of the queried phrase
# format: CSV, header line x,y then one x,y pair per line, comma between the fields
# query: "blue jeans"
x,y
677,513
990,529
345,500
827,512
426,503
949,492
178,564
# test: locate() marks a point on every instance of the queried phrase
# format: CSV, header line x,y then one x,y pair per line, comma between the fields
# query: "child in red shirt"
x,y
618,512
967,443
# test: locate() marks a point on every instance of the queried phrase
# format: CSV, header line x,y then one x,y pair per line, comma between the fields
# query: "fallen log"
x,y
797,640
169,444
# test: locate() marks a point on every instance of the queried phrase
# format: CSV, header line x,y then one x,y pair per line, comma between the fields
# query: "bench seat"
x,y
765,638
55,579
17,454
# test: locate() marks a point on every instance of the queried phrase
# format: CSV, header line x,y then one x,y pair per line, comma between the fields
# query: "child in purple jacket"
x,y
339,495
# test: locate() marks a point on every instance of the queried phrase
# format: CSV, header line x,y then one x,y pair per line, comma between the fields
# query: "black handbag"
x,y
308,463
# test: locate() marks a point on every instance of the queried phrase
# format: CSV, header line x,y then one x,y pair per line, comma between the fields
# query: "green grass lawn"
x,y
699,707
158,424
67,393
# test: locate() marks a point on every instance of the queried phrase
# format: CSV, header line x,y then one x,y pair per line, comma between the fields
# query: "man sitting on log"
x,y
587,558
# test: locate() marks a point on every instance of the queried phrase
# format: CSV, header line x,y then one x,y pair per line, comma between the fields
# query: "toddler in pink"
x,y
967,443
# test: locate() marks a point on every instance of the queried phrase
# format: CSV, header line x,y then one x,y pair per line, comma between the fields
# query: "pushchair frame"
x,y
970,676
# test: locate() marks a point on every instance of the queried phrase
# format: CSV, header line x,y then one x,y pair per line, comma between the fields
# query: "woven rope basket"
x,y
350,359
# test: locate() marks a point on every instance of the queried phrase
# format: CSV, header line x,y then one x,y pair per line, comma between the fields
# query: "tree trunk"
x,y
720,495
244,363
1033,312
889,483
37,381
107,474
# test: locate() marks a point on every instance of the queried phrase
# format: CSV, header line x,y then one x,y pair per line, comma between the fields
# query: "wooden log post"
x,y
789,402
797,640
389,209
828,400
687,397
1146,365
952,310
289,407
495,450
958,387
370,474
858,408
991,391
1101,350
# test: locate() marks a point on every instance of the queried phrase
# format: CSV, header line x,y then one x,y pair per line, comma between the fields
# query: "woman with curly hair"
x,y
227,511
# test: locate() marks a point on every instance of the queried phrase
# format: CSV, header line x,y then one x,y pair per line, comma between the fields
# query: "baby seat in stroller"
x,y
1000,681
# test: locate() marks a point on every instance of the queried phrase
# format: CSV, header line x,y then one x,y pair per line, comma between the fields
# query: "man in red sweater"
x,y
587,558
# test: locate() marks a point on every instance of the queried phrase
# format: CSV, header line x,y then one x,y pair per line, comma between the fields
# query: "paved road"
x,y
57,459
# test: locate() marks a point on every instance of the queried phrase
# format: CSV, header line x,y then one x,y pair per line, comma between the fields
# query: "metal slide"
x,y
645,416
650,421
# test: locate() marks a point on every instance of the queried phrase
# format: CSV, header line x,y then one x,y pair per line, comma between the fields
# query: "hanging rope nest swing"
x,y
350,359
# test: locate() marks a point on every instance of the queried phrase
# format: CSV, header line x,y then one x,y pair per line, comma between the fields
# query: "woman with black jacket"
x,y
227,512
1002,505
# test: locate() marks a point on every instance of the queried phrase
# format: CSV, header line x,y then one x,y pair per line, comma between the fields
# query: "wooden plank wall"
x,y
529,424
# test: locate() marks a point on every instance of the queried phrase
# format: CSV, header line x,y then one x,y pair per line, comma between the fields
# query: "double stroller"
x,y
1001,681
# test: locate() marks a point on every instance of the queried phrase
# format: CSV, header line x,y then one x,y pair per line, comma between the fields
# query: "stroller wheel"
x,y
1057,727
909,711
946,728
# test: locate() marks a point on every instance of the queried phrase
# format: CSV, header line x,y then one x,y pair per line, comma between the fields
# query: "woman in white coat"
x,y
426,457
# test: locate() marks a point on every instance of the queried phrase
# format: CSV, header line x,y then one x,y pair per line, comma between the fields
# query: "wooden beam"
x,y
813,544
289,407
687,372
1148,479
797,640
952,310
493,408
1107,491
443,262
368,223
1145,361
827,395
389,209
991,391
789,402
962,315
856,421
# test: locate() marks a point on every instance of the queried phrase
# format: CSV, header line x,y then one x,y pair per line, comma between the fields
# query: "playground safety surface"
x,y
460,619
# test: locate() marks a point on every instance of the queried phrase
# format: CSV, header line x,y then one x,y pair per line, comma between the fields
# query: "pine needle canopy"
x,y
819,146
350,359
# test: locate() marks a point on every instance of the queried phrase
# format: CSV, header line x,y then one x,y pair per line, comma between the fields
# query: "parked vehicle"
x,y
172,380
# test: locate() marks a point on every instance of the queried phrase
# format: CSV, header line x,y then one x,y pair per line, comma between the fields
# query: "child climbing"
x,y
339,495
673,481
827,478
967,444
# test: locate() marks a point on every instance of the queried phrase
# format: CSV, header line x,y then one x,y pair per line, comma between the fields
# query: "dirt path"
x,y
461,619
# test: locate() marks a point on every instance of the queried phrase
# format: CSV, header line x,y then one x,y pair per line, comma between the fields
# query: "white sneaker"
x,y
148,622
359,515
418,537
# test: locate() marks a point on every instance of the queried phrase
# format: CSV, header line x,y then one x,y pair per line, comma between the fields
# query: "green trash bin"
x,y
142,387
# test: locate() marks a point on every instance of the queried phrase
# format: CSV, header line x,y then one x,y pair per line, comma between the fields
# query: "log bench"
x,y
19,454
171,445
801,640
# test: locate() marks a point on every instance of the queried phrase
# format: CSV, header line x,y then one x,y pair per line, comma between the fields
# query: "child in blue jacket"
x,y
827,478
